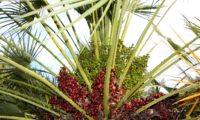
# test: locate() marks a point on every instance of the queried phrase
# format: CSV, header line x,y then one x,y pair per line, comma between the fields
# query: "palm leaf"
x,y
12,9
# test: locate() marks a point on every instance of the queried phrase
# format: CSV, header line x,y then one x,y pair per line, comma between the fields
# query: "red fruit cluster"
x,y
96,97
93,102
59,103
69,85
137,103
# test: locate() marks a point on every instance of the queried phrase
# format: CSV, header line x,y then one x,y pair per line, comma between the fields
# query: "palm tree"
x,y
120,70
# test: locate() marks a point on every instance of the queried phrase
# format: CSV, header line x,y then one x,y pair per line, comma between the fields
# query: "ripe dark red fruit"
x,y
92,103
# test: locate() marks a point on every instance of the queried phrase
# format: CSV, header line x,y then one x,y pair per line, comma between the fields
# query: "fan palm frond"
x,y
11,10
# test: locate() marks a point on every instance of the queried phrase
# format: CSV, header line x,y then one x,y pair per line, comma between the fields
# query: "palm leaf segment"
x,y
189,57
17,82
192,60
11,11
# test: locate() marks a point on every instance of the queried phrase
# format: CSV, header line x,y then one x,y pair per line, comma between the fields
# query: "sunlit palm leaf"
x,y
192,59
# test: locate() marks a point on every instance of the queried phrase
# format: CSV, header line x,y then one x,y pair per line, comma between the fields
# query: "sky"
x,y
174,19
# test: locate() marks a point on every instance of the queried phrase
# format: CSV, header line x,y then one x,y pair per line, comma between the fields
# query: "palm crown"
x,y
101,70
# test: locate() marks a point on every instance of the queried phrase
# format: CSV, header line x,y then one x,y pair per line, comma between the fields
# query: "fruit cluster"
x,y
70,87
95,108
92,103
135,104
92,66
